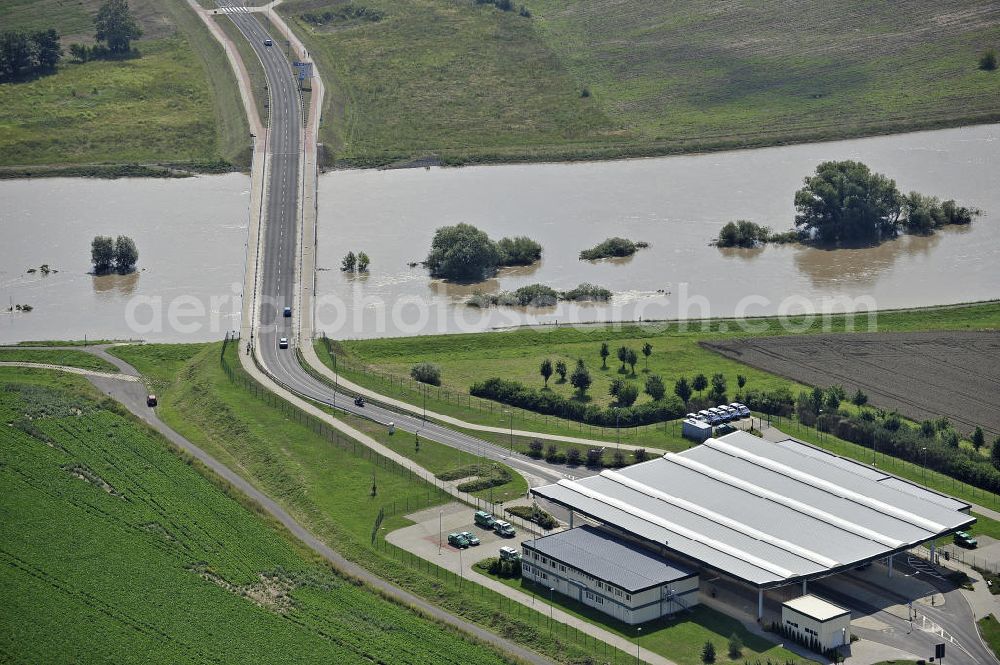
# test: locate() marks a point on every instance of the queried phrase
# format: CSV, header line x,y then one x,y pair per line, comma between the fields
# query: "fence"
x,y
408,389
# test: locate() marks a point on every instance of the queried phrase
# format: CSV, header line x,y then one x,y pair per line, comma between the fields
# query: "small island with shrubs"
x,y
465,253
612,248
847,203
539,295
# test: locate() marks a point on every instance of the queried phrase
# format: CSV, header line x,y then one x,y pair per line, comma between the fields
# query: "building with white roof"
x,y
813,620
763,513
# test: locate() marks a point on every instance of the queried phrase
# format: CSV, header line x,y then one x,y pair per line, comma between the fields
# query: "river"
x,y
678,205
191,236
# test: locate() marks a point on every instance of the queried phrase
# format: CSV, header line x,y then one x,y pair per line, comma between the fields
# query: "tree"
x,y
647,350
519,251
682,389
718,387
535,448
735,646
655,387
102,254
832,400
616,387
640,455
618,459
632,358
595,457
995,452
349,262
580,379
978,438
16,53
48,51
741,381
988,60
116,26
604,355
859,399
708,652
546,371
573,457
927,429
561,370
628,394
845,201
462,252
363,262
700,383
126,254
623,356
426,372
816,399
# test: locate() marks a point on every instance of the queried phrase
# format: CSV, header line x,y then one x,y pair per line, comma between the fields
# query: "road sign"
x,y
305,69
939,651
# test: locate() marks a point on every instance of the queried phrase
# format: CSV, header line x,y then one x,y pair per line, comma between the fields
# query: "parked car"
x,y
458,540
470,538
509,554
721,415
695,416
484,519
287,312
709,417
503,529
150,400
742,408
733,411
283,343
965,539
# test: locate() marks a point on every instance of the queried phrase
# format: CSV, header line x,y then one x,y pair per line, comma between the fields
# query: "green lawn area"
x,y
989,628
465,82
177,103
68,357
384,364
680,638
117,549
325,486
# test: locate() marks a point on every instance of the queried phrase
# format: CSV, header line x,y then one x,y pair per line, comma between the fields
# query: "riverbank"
x,y
556,86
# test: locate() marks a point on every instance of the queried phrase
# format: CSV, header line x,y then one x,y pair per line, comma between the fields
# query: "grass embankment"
x,y
384,364
989,628
177,104
465,82
67,357
114,544
326,487
680,638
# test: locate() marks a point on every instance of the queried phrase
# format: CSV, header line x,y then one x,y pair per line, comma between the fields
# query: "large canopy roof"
x,y
764,512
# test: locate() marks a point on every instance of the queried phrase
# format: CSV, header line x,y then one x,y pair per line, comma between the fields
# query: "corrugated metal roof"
x,y
762,511
605,557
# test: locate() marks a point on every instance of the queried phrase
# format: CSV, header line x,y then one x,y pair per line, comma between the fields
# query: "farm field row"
x,y
116,548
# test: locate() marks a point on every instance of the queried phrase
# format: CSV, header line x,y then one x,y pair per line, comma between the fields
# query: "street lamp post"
x,y
638,634
511,412
924,475
551,589
440,531
618,428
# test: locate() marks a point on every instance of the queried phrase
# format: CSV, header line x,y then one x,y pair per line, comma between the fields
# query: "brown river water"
x,y
678,205
191,236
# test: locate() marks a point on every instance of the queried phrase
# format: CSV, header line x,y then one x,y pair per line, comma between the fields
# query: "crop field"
x,y
116,549
69,357
464,359
921,375
463,82
177,103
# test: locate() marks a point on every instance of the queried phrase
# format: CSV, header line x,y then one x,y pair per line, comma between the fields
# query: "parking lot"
x,y
428,538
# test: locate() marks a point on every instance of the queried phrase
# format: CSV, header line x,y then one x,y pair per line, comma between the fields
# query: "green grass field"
x,y
679,638
115,548
71,358
178,103
989,628
326,487
465,82
384,364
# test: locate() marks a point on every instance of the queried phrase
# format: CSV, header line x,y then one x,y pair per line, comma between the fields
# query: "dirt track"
x,y
921,375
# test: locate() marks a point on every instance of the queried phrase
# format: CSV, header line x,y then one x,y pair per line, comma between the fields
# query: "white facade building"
x,y
621,579
811,617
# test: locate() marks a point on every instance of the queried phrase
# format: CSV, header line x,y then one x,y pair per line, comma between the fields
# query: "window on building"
x,y
590,595
544,560
628,596
544,576
562,568
600,600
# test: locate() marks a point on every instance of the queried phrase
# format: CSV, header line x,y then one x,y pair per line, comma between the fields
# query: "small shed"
x,y
696,430
813,618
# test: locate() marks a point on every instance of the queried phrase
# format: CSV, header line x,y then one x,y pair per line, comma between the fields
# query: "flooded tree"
x,y
126,254
102,254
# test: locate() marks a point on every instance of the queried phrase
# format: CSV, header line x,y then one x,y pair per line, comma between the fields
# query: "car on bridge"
x,y
283,343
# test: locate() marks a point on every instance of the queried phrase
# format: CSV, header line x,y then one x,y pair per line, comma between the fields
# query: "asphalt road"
x,y
278,267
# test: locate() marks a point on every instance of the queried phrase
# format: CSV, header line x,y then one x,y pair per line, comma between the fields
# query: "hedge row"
x,y
514,393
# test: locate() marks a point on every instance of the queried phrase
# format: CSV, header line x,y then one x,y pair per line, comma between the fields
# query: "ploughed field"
x,y
920,374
